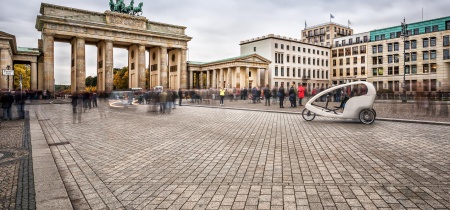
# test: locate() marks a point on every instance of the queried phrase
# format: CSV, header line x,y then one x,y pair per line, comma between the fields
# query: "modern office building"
x,y
349,58
293,61
323,34
426,63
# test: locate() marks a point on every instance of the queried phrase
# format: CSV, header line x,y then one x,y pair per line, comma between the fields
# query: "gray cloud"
x,y
217,27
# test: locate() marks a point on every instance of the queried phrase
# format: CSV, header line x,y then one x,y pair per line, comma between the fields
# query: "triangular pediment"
x,y
253,58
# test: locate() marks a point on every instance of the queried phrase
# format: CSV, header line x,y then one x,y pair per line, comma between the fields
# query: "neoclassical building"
x,y
166,44
11,54
237,72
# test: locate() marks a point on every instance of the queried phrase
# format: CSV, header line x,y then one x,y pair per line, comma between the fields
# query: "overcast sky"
x,y
217,27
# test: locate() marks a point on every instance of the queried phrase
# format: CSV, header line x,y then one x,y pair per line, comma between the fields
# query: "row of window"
x,y
347,61
321,31
318,52
411,85
409,69
350,41
428,29
426,55
324,74
279,58
349,51
348,72
310,85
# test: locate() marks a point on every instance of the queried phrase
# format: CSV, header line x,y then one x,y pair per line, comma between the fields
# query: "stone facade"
x,y
106,30
323,34
293,62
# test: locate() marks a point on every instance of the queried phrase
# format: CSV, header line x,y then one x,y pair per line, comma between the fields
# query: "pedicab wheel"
x,y
367,116
308,115
375,113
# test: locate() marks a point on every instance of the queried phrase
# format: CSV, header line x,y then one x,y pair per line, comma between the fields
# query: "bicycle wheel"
x,y
308,115
367,116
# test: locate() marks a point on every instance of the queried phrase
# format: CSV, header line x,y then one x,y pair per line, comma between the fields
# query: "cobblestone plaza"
x,y
215,158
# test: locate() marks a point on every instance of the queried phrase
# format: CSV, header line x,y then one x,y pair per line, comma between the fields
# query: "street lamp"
x,y
8,72
405,35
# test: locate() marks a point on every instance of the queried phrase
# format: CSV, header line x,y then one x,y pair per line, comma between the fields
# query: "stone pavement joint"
x,y
197,158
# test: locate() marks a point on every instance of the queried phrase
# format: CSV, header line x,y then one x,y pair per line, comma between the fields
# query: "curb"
x,y
299,113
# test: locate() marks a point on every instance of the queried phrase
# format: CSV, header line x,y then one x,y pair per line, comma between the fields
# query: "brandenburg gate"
x,y
166,44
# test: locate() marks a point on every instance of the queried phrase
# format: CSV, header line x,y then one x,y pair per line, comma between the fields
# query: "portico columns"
x,y
229,80
183,69
109,66
33,81
221,78
214,78
266,77
141,67
4,62
163,67
238,73
246,76
49,61
208,85
80,64
200,80
258,77
191,79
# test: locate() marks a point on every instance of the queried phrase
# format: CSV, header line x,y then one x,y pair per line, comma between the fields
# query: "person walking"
x,y
301,94
19,100
74,102
162,102
245,93
292,96
180,96
267,95
222,95
7,101
254,94
281,94
94,99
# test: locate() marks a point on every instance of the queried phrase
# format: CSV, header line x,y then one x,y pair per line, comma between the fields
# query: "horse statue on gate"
x,y
120,7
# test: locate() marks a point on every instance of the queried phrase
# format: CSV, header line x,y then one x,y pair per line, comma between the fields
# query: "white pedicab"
x,y
353,108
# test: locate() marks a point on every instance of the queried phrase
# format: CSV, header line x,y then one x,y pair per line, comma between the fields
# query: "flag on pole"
x,y
349,23
305,24
331,15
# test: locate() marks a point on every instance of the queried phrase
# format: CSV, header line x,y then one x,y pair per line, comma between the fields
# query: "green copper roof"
x,y
27,50
196,62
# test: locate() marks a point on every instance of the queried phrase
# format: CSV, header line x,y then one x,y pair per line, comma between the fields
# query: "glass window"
x,y
355,50
287,58
383,37
380,71
425,55
390,47
407,70
416,31
413,44
348,51
287,47
380,48
276,45
358,40
282,46
446,54
282,71
425,68
435,28
380,59
365,39
363,70
362,49
396,60
413,69
407,45
374,49
426,85
414,56
447,25
276,71
347,61
427,29
390,59
355,60
374,60
347,72
299,49
433,68
287,71
363,59
276,84
390,71
396,46
446,41
407,57
396,70
392,35
425,42
433,54
433,41
377,37
433,85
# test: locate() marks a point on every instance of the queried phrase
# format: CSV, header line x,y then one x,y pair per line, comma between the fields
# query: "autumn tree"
x,y
24,70
120,80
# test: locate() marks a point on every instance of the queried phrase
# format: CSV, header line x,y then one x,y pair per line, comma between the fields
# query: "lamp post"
x,y
8,72
405,35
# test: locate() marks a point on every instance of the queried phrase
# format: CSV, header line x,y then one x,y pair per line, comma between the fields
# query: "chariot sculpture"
x,y
120,7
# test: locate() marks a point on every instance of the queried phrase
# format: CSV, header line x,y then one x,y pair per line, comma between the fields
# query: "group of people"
x,y
7,99
84,100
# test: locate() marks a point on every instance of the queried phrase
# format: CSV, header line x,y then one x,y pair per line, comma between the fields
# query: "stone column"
x,y
266,76
200,80
40,73
229,80
247,69
163,67
191,79
208,84
33,82
49,61
214,79
109,77
80,64
183,69
221,79
237,73
4,62
141,67
258,77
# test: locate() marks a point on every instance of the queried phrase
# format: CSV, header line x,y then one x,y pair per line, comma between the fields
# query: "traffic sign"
x,y
7,72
